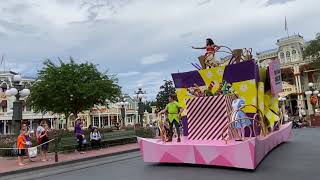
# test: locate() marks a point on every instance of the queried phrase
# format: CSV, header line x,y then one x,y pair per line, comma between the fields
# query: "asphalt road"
x,y
297,159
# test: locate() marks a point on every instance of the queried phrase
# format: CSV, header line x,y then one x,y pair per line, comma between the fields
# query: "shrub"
x,y
146,132
7,142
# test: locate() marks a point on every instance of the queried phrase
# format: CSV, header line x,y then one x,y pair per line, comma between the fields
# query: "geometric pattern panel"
x,y
207,116
247,154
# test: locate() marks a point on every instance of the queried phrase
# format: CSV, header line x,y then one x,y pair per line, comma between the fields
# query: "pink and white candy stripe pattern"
x,y
206,117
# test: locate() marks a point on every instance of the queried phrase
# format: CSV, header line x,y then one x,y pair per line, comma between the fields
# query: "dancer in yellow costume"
x,y
174,111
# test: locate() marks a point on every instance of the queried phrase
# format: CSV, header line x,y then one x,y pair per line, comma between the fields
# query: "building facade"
x,y
107,116
6,106
296,71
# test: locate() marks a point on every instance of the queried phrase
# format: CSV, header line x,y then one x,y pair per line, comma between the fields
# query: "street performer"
x,y
174,111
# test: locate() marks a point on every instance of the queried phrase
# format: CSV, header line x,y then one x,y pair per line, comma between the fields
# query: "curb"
x,y
66,162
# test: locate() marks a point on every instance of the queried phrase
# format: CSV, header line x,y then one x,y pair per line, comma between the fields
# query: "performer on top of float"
x,y
211,49
174,111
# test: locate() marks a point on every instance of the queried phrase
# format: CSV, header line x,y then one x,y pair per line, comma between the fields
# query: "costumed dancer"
x,y
239,117
174,111
209,57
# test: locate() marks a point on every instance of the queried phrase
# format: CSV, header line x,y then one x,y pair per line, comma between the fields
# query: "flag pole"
x,y
286,26
2,62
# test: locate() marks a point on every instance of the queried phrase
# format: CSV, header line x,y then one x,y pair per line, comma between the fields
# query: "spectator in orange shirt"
x,y
21,145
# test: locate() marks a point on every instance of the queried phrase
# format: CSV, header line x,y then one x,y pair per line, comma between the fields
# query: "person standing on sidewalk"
x,y
27,133
42,137
79,135
44,140
174,112
21,147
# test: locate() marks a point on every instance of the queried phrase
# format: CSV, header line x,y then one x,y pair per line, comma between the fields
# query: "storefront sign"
x,y
275,77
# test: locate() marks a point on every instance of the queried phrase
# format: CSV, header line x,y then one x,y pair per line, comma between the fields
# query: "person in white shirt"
x,y
95,138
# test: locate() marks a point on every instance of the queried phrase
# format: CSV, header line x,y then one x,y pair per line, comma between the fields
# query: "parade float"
x,y
231,116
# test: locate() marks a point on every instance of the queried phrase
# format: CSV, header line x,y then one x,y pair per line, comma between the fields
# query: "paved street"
x,y
297,159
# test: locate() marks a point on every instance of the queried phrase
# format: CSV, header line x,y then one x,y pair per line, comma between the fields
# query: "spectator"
x,y
21,145
285,117
27,131
39,131
79,135
45,144
95,138
43,138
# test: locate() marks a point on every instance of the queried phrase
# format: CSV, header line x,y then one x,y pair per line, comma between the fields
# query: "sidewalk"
x,y
8,166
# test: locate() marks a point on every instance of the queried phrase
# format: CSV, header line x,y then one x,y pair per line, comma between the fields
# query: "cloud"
x,y
128,74
154,59
203,2
272,2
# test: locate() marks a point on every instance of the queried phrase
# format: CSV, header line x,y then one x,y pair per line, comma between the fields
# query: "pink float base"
x,y
240,154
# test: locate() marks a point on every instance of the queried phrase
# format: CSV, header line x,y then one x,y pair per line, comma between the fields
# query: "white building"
x,y
295,70
105,116
6,106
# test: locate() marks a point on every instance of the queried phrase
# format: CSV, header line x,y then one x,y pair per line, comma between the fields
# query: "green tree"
x,y
313,51
162,97
70,88
148,104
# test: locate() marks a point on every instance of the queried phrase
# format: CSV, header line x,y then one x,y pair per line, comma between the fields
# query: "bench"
x,y
108,140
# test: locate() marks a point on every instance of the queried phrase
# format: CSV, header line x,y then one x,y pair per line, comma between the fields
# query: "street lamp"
x,y
19,91
314,94
140,94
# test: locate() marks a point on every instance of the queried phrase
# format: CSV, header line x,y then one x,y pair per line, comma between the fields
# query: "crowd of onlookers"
x,y
24,144
24,141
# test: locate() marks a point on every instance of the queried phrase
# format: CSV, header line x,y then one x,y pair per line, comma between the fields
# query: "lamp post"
x,y
122,105
312,95
18,90
140,94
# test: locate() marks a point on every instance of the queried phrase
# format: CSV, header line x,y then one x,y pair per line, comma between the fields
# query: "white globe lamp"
x,y
310,84
17,78
13,91
8,93
24,92
308,93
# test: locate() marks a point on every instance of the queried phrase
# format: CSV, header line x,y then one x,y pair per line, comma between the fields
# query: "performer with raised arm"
x,y
209,57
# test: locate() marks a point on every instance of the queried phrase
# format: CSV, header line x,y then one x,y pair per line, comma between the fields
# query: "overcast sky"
x,y
143,41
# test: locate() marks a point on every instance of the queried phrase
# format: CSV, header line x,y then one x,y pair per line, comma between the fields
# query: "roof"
x,y
8,72
268,51
289,37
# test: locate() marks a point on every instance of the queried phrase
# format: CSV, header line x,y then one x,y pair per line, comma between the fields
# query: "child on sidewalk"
x,y
21,145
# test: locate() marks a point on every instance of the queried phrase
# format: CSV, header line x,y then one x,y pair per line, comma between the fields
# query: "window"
x,y
288,54
106,121
96,121
294,52
28,108
281,55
